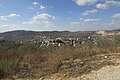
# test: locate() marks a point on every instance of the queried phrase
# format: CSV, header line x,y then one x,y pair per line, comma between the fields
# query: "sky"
x,y
59,15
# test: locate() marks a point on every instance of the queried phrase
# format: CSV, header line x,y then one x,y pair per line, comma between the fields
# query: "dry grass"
x,y
44,60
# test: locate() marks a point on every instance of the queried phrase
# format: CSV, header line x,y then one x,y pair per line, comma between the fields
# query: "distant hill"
x,y
118,30
21,35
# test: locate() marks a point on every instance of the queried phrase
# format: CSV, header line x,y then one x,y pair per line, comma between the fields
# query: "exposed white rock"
x,y
105,73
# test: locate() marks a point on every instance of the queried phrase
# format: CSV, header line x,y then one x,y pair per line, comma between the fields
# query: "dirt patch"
x,y
105,73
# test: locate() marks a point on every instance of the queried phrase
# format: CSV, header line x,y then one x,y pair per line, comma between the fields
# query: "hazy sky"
x,y
72,15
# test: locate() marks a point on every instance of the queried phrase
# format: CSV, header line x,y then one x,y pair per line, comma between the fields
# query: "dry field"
x,y
29,61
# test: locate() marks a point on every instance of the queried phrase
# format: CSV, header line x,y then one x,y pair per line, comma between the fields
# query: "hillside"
x,y
22,35
30,60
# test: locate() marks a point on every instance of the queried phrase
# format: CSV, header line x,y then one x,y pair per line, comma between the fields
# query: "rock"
x,y
106,56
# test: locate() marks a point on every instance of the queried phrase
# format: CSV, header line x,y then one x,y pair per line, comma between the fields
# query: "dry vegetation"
x,y
29,60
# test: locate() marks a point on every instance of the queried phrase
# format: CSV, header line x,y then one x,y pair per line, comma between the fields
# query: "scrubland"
x,y
29,60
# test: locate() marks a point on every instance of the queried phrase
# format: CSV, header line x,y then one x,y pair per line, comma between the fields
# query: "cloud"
x,y
85,2
35,3
107,4
115,24
112,2
116,15
42,16
7,26
41,20
92,20
10,27
8,16
90,12
77,25
102,6
13,15
81,18
42,7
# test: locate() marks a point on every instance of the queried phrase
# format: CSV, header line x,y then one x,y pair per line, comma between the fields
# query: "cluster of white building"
x,y
64,41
